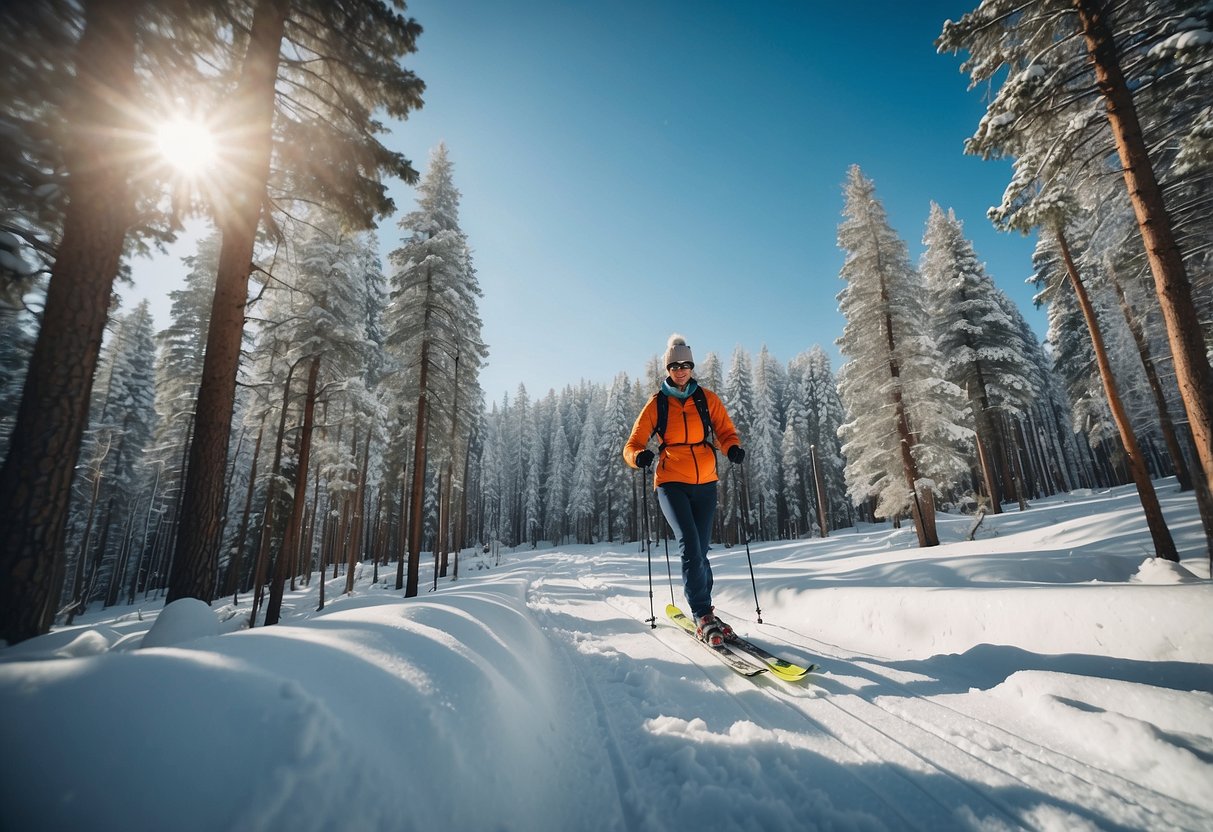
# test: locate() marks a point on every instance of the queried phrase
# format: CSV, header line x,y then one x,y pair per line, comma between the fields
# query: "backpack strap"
x,y
701,404
663,414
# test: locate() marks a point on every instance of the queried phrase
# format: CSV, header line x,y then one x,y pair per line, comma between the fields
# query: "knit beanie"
x,y
677,351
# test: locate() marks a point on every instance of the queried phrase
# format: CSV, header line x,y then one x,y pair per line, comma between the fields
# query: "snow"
x,y
1047,675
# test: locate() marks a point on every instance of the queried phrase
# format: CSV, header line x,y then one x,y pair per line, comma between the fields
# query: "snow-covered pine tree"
x,y
904,421
178,371
708,372
737,394
1069,280
492,478
815,414
586,479
1079,72
556,481
979,346
520,446
433,328
309,134
119,432
317,328
618,417
762,470
538,427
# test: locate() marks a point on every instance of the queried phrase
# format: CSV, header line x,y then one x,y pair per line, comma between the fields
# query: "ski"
x,y
726,655
782,668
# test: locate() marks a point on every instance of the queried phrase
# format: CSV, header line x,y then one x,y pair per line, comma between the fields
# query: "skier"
x,y
692,424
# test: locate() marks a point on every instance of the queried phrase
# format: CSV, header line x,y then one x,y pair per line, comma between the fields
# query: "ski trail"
x,y
768,719
854,746
998,757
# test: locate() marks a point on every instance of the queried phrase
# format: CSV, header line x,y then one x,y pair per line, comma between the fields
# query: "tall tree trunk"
x,y
1171,283
462,518
147,522
1016,454
923,510
1180,467
196,560
236,562
1164,546
355,547
77,604
417,497
445,531
271,501
823,520
402,541
35,482
290,538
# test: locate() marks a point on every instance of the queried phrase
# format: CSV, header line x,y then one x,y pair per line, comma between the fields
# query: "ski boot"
x,y
707,630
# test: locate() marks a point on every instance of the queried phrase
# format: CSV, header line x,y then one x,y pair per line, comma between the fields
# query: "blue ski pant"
x,y
689,509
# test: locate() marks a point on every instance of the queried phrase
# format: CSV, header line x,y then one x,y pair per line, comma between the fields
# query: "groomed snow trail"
x,y
866,743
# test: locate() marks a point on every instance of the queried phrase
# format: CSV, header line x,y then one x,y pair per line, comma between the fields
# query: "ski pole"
x,y
745,537
669,572
644,496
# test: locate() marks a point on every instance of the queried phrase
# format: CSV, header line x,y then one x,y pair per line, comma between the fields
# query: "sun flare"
x,y
187,145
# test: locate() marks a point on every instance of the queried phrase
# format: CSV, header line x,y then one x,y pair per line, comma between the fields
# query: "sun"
x,y
186,144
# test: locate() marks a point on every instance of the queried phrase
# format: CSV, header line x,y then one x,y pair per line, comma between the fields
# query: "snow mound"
x,y
1159,571
183,620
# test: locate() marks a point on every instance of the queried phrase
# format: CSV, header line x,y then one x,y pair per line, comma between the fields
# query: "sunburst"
x,y
188,145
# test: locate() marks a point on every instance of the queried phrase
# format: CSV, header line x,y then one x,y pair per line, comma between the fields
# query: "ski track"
x,y
1034,766
879,760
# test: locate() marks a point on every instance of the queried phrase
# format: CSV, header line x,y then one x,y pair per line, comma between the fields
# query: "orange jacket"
x,y
685,457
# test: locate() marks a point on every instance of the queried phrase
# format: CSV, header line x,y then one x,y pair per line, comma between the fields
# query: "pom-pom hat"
x,y
677,351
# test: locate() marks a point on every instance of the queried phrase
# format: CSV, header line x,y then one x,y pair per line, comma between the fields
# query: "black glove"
x,y
644,459
736,455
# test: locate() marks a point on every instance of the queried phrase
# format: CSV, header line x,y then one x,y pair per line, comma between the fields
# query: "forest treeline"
x,y
309,407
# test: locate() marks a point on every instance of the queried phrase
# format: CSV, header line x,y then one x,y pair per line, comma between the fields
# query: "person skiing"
x,y
692,424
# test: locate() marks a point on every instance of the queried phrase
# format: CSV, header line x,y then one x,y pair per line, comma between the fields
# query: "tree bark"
x,y
1164,546
823,520
35,482
290,538
402,542
355,544
1171,283
196,560
417,497
923,510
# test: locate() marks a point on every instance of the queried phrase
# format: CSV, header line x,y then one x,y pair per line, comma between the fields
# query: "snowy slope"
x,y
1046,675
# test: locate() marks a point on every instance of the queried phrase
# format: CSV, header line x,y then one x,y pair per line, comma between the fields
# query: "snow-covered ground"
x,y
1048,675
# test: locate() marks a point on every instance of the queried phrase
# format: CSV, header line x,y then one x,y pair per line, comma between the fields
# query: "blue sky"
x,y
634,168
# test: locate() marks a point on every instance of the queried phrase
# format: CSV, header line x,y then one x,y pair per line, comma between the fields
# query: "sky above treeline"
x,y
637,168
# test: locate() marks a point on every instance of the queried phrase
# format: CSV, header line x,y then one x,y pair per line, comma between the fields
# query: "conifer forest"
x,y
312,404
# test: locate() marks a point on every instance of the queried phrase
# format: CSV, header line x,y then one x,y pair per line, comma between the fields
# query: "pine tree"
x,y
977,342
327,151
902,430
433,326
556,494
118,435
318,318
99,158
16,343
1079,74
762,468
616,484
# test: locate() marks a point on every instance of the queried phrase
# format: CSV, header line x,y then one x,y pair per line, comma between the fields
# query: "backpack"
x,y
663,415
